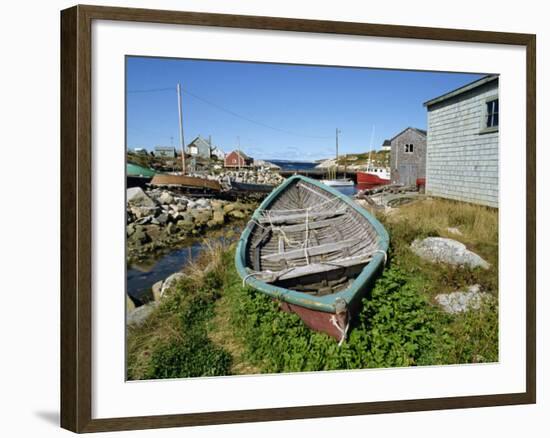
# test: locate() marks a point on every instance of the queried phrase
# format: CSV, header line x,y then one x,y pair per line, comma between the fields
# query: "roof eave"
x,y
463,89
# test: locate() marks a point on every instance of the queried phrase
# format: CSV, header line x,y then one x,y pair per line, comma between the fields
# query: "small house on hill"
x,y
200,148
408,156
386,146
238,158
462,160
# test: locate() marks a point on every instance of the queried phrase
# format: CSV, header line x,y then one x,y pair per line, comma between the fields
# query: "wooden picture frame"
x,y
76,217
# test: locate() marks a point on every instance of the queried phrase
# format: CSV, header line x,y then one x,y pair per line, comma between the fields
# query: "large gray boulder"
x,y
166,198
460,301
170,282
439,249
135,196
140,314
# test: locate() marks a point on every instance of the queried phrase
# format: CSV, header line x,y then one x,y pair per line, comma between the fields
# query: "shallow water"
x,y
140,277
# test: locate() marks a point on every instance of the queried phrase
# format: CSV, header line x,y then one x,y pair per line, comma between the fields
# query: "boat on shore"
x,y
314,250
186,181
138,176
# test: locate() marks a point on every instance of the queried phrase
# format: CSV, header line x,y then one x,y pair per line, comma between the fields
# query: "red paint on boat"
x,y
316,320
370,178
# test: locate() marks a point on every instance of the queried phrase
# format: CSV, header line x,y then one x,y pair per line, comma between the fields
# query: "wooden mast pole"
x,y
182,142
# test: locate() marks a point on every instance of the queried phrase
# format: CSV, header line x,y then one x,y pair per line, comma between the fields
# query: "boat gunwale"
x,y
323,303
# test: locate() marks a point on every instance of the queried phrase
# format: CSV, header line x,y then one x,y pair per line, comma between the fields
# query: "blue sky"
x,y
276,111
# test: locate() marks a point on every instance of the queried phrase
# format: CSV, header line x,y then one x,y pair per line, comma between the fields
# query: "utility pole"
x,y
182,142
337,132
239,149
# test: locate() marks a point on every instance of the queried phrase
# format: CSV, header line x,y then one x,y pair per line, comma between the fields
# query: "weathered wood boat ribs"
x,y
307,244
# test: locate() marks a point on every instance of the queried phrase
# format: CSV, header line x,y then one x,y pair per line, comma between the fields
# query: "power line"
x,y
151,90
231,112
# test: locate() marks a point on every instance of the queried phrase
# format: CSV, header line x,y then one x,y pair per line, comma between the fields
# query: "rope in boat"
x,y
343,332
383,252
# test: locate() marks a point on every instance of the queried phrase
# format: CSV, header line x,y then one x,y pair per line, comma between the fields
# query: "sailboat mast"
x,y
180,118
371,139
337,146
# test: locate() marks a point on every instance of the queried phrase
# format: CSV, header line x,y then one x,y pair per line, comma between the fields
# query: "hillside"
x,y
379,158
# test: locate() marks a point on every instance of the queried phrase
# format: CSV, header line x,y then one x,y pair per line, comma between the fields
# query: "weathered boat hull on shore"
x,y
315,251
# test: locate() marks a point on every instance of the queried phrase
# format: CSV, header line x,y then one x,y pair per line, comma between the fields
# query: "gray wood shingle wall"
x,y
462,157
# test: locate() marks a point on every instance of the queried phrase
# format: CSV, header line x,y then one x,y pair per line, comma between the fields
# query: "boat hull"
x,y
370,178
328,312
337,183
329,323
186,181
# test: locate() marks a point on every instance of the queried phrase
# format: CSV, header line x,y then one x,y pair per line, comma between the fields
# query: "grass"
x,y
211,325
478,230
174,340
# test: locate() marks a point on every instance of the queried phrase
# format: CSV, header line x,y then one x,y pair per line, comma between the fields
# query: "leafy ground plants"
x,y
211,325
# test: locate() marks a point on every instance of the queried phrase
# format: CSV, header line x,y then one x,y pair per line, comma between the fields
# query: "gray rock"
x,y
228,207
136,196
140,314
139,236
204,203
162,219
166,198
130,229
180,207
142,212
439,249
144,220
237,214
202,215
153,231
218,217
460,301
187,223
171,281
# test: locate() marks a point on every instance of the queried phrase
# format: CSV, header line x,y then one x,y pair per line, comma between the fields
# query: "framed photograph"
x,y
268,218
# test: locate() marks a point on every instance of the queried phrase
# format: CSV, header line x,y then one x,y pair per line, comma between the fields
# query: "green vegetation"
x,y
174,342
144,160
212,325
379,158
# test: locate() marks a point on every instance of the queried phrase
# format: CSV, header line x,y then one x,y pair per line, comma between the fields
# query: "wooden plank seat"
x,y
312,251
313,268
315,225
300,217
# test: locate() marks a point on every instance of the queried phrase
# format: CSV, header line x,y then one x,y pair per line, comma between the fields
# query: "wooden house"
x,y
408,156
462,159
238,159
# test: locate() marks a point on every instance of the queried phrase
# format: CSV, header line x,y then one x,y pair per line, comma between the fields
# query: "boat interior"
x,y
310,240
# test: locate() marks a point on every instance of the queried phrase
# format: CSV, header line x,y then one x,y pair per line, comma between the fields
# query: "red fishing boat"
x,y
374,175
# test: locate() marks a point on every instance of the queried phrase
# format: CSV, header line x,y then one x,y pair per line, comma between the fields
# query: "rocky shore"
x,y
251,176
159,218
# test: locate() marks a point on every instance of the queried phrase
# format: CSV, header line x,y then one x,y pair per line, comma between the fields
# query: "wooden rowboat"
x,y
186,181
314,250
